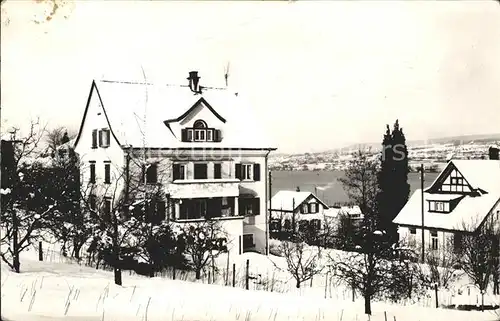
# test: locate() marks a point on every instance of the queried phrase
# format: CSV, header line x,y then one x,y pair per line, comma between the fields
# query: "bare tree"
x,y
23,214
302,261
477,253
360,182
372,270
442,266
202,241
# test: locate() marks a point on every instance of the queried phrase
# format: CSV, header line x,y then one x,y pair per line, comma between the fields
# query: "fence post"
x,y
247,276
385,315
173,273
234,274
40,251
436,290
326,283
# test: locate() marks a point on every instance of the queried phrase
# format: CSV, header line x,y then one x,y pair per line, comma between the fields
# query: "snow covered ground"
x,y
54,290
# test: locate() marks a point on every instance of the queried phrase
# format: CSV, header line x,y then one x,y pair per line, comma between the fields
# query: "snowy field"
x,y
56,290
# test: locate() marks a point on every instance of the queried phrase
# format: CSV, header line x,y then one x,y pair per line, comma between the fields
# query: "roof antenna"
x,y
226,73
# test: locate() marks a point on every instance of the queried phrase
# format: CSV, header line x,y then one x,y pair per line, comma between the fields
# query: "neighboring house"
x,y
464,195
289,208
352,212
201,146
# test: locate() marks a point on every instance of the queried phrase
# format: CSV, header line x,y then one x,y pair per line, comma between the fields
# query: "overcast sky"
x,y
320,75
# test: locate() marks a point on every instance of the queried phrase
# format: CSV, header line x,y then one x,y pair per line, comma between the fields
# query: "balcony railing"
x,y
204,188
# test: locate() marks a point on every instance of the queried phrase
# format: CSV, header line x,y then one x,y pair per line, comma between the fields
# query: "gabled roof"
x,y
285,200
480,174
471,210
138,114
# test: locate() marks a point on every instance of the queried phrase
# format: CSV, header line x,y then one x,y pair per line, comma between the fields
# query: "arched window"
x,y
200,124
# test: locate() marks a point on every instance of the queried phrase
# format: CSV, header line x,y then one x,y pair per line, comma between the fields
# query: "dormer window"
x,y
200,132
439,206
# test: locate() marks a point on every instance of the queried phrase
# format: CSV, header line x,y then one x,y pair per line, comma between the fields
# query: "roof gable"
x,y
200,102
291,200
94,91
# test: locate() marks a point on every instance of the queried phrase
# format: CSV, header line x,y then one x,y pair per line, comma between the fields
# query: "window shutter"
x,y
237,171
301,209
256,206
106,137
184,135
176,171
94,138
217,171
107,173
256,172
100,138
217,135
160,210
92,173
241,206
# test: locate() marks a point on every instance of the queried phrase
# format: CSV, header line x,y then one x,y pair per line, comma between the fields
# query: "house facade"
x,y
295,209
461,199
199,150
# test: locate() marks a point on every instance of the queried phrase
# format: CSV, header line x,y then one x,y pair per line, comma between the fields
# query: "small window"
x,y
200,124
200,171
413,230
104,138
152,173
179,171
107,207
210,135
434,240
107,173
313,208
217,171
92,172
248,241
246,173
305,208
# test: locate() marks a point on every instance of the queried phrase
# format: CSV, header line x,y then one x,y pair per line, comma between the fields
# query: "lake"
x,y
334,191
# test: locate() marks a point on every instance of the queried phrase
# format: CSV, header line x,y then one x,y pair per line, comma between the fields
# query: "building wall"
x,y
445,239
96,119
228,186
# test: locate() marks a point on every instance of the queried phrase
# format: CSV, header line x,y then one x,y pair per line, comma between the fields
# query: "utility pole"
x,y
422,209
268,229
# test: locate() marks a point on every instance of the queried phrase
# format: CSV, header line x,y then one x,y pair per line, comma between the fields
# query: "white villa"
x,y
201,145
460,200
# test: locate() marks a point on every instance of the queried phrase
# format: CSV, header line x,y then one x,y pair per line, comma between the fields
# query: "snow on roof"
x,y
137,112
471,210
480,173
285,200
349,210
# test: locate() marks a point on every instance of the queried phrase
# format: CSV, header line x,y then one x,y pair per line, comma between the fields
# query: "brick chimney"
x,y
194,82
494,152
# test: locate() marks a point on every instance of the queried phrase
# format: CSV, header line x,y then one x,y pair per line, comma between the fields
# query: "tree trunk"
x,y
76,251
297,285
368,307
482,300
198,274
15,245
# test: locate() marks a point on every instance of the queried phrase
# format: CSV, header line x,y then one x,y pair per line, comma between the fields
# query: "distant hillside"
x,y
458,140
